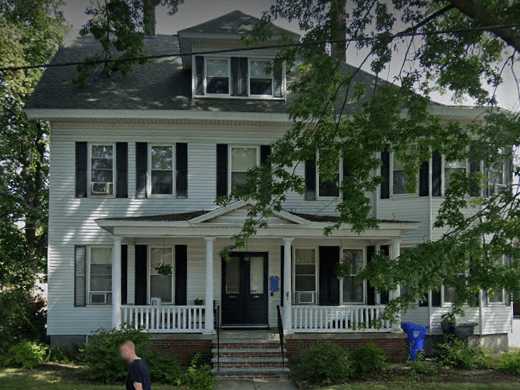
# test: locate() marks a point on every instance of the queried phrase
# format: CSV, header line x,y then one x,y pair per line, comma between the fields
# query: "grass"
x,y
425,386
55,377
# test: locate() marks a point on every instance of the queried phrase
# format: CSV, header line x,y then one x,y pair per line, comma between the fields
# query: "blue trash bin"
x,y
416,335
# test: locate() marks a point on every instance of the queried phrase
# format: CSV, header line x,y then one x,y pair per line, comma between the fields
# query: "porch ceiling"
x,y
227,221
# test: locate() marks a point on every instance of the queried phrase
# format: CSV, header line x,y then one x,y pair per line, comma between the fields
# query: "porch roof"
x,y
227,221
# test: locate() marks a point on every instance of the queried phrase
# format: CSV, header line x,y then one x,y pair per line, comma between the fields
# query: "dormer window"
x,y
217,76
261,78
238,77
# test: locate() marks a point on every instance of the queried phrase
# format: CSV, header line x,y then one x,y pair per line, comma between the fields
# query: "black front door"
x,y
244,289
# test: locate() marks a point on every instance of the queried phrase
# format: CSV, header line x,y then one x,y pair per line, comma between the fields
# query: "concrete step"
x,y
251,372
249,359
247,344
247,353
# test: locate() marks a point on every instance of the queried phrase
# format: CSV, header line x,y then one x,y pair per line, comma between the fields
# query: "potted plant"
x,y
164,269
198,301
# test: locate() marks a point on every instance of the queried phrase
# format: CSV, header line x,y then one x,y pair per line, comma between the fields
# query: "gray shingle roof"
x,y
160,84
235,23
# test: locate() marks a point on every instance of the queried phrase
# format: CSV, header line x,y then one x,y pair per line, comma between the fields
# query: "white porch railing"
x,y
345,318
164,318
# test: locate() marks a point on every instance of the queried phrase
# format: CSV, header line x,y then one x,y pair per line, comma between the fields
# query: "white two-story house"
x,y
135,235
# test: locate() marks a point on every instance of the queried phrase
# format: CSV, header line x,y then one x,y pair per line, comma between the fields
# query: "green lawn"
x,y
425,386
52,377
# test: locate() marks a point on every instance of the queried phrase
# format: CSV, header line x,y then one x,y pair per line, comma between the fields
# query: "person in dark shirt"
x,y
138,377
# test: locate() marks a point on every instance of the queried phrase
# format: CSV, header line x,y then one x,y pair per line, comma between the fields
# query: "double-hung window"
x,y
161,170
496,178
100,276
161,274
102,169
452,168
217,76
353,287
243,158
400,180
328,187
261,78
305,279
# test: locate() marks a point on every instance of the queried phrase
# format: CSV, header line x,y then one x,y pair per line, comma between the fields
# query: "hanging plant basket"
x,y
164,269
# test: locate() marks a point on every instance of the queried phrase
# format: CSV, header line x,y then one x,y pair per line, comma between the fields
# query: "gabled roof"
x,y
233,23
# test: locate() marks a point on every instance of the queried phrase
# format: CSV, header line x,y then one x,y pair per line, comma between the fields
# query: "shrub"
x,y
198,376
23,318
101,356
422,368
101,353
26,354
456,353
509,363
369,359
323,363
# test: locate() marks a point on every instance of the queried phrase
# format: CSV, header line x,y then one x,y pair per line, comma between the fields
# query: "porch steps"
x,y
249,356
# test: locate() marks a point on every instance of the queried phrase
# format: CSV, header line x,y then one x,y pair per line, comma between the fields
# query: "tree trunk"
x,y
338,30
149,20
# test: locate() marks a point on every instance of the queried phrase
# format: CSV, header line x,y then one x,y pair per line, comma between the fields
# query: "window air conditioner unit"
x,y
101,188
305,297
155,301
100,298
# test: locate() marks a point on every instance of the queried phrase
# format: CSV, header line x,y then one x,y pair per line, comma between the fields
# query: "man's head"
x,y
127,351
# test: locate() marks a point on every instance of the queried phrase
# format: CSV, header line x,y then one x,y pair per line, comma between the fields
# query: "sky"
x,y
193,12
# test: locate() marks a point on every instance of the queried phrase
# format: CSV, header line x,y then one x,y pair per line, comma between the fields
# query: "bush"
x,y
101,356
509,363
367,360
26,354
198,376
323,363
23,318
423,368
456,353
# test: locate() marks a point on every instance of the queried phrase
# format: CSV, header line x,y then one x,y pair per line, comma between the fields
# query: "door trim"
x,y
265,325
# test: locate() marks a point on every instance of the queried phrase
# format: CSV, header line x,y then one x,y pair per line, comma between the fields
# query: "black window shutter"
x,y
181,274
239,76
282,268
81,169
424,179
141,271
265,152
436,174
181,163
329,282
222,170
346,171
371,291
278,78
124,272
385,174
122,170
310,180
80,275
199,75
474,170
141,168
436,298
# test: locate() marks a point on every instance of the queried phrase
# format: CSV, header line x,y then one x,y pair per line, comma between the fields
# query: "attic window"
x,y
261,78
217,76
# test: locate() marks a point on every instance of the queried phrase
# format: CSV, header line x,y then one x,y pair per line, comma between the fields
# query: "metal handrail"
x,y
280,334
217,330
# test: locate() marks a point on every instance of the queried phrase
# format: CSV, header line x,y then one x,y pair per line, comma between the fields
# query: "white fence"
x,y
345,318
164,318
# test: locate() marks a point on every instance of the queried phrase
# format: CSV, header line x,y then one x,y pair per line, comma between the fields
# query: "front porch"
x,y
288,265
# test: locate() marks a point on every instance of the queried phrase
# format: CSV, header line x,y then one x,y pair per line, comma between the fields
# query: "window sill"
x,y
251,97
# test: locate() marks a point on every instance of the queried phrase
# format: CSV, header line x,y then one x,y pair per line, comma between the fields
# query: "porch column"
x,y
395,253
116,282
209,284
287,285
